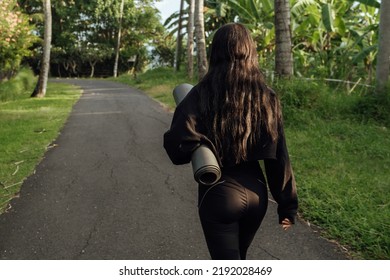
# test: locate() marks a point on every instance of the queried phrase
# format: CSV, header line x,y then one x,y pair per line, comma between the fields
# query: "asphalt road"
x,y
107,190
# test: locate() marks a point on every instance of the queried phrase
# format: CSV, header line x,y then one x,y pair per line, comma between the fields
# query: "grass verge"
x,y
158,84
340,155
27,127
342,169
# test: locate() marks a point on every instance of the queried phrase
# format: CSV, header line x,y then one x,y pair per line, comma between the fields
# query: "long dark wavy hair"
x,y
236,104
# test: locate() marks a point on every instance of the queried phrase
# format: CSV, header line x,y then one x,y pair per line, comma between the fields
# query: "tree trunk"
x,y
40,89
179,38
383,57
200,39
66,66
190,41
283,48
92,64
118,43
73,65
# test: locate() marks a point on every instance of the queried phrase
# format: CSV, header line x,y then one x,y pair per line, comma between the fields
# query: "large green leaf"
x,y
243,11
268,6
340,25
269,37
364,53
300,7
314,15
255,9
327,17
360,35
173,18
252,11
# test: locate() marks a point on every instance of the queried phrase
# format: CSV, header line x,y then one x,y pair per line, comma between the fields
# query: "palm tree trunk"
x,y
383,58
179,38
200,39
118,43
190,41
40,89
283,48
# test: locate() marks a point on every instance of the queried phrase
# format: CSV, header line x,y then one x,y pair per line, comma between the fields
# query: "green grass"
x,y
339,145
157,83
27,127
342,170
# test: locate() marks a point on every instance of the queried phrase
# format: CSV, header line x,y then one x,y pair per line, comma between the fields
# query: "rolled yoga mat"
x,y
204,163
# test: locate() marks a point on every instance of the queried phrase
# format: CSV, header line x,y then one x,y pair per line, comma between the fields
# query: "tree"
x,y
179,38
40,89
190,40
76,23
94,53
283,48
16,38
200,39
163,53
118,44
383,57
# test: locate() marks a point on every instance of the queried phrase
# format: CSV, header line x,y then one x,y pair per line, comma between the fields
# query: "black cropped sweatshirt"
x,y
187,133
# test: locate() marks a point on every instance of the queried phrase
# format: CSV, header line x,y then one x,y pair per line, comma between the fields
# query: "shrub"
x,y
318,99
15,38
374,107
298,93
22,83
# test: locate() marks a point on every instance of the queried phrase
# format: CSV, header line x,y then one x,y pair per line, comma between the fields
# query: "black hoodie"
x,y
187,133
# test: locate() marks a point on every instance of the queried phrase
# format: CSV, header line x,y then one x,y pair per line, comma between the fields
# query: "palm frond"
x,y
300,6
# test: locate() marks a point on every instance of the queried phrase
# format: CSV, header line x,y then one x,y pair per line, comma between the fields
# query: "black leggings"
x,y
232,210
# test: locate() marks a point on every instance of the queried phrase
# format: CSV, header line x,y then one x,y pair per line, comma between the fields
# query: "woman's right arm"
x,y
281,181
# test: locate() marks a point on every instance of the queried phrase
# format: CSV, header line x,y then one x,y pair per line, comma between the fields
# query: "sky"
x,y
167,8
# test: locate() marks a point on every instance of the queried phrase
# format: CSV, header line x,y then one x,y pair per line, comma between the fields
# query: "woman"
x,y
233,112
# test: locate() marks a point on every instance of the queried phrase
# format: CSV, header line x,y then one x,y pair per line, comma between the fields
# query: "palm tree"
x,y
118,39
383,57
190,40
200,39
283,49
40,89
179,37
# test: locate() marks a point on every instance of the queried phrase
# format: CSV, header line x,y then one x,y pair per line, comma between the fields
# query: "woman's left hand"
x,y
286,224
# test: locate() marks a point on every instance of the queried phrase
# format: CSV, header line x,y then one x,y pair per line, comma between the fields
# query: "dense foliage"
x,y
15,38
331,39
85,35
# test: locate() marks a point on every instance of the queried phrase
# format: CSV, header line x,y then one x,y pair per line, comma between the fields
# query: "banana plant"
x,y
258,16
339,34
253,12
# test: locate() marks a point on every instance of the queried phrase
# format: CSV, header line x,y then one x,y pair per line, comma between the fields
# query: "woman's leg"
x,y
220,209
251,221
